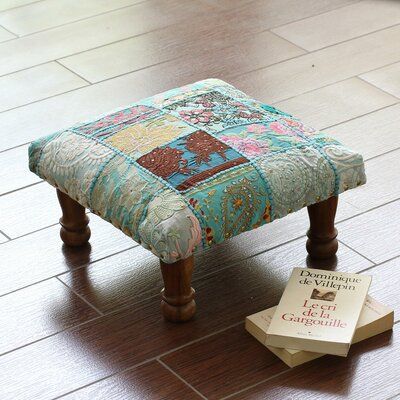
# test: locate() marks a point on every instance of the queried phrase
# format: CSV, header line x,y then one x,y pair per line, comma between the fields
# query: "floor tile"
x,y
14,171
40,199
162,45
3,239
134,275
386,78
342,24
371,134
5,35
336,103
232,360
358,376
136,333
35,84
47,14
96,31
150,381
224,363
382,183
311,71
374,234
41,255
7,4
38,311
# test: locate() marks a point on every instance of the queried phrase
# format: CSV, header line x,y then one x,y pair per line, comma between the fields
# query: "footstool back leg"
x,y
322,242
74,221
177,297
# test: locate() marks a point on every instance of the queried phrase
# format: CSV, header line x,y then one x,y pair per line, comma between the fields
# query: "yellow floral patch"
x,y
141,138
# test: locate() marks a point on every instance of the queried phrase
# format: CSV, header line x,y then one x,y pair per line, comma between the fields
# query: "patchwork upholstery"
x,y
194,166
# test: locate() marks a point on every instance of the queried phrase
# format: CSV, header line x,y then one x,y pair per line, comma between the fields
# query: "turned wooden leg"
x,y
177,297
74,221
322,242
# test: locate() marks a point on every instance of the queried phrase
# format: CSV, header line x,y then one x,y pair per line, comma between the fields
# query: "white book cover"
x,y
318,311
375,318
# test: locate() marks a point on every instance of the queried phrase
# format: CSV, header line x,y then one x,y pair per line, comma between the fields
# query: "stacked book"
x,y
320,312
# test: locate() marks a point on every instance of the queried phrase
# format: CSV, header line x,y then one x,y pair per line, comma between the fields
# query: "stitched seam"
x,y
144,211
133,162
97,176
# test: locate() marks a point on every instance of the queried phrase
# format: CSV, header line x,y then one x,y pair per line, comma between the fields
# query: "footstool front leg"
x,y
74,221
322,242
177,297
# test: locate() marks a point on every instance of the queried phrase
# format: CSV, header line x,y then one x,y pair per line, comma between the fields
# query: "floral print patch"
x,y
142,137
255,140
216,111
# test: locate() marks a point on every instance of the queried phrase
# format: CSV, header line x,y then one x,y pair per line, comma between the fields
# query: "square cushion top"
x,y
194,166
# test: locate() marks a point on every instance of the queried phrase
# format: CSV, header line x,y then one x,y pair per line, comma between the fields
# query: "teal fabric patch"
x,y
231,203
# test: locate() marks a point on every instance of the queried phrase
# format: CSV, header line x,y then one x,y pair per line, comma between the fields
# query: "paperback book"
x,y
318,311
375,318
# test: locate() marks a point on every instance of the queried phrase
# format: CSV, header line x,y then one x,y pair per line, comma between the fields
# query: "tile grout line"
x,y
340,42
134,4
209,274
45,98
316,15
158,29
357,252
272,377
312,52
378,264
64,272
147,361
332,84
20,188
374,85
362,115
101,314
382,154
122,371
59,61
8,237
15,147
21,6
256,384
72,22
73,72
165,353
181,379
12,33
83,51
50,335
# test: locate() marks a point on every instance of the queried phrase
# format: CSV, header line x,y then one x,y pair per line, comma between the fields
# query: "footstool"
x,y
192,167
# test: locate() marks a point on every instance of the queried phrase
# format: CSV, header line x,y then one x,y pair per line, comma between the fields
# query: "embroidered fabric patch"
x,y
255,140
114,122
216,111
142,137
194,165
231,203
191,159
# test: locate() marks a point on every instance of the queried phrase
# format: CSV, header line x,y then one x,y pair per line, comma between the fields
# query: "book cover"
x,y
375,318
318,311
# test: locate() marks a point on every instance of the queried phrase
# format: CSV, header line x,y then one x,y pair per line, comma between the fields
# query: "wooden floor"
x,y
86,324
